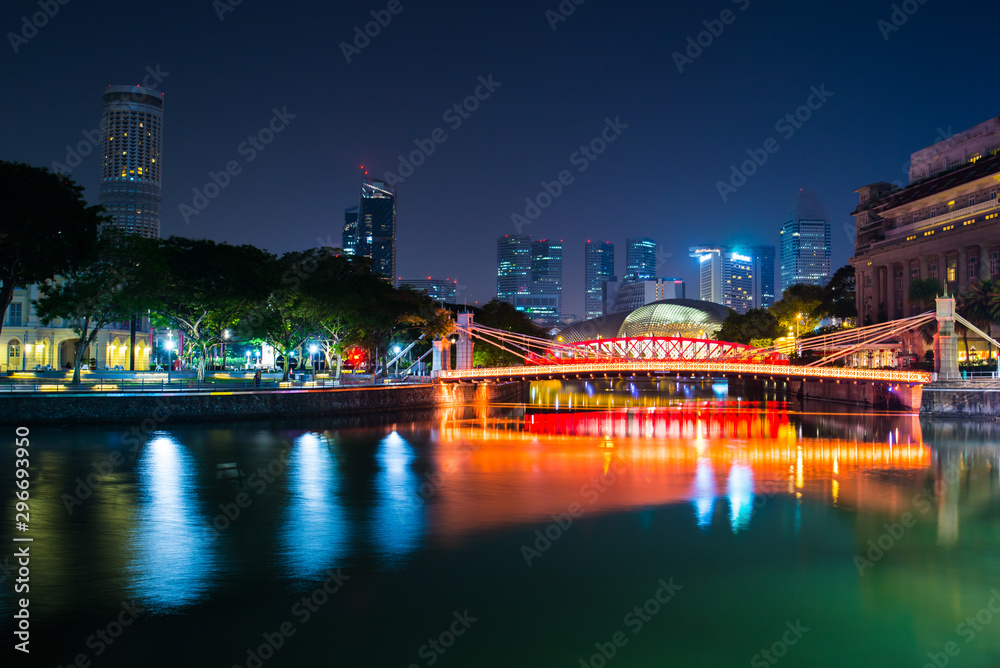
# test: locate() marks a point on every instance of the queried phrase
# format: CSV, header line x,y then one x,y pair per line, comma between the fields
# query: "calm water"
x,y
679,527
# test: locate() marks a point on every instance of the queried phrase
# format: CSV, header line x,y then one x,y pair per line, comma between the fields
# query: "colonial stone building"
x,y
26,344
945,224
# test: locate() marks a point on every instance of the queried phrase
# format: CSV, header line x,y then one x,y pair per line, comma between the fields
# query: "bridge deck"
x,y
670,367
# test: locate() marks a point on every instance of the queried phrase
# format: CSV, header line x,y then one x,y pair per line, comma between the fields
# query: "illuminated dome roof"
x,y
670,317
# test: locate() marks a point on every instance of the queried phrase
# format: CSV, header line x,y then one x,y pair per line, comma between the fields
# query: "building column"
x,y
924,270
963,269
890,292
907,268
984,262
877,291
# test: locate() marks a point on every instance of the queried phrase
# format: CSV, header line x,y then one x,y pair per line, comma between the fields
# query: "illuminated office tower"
x,y
377,227
599,269
131,139
640,259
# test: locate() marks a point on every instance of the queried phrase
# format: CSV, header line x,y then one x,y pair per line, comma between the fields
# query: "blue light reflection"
x,y
398,522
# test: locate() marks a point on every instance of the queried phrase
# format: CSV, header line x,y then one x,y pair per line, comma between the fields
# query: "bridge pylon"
x,y
463,356
946,341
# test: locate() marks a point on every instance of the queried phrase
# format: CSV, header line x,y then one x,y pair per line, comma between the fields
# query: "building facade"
x,y
726,276
805,242
630,296
131,159
349,243
599,268
763,276
640,259
376,237
546,267
440,290
513,266
944,224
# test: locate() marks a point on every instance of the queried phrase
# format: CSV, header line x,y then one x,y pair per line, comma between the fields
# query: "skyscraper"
x,y
439,290
513,266
726,276
377,226
640,259
763,276
350,239
546,267
599,267
805,242
131,159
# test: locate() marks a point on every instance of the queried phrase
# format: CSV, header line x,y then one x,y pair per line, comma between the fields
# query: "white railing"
x,y
922,225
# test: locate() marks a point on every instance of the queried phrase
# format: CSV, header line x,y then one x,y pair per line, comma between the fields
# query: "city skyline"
x,y
308,170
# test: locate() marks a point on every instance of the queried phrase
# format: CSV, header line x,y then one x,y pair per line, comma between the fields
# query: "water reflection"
x,y
704,492
171,560
315,534
398,518
739,490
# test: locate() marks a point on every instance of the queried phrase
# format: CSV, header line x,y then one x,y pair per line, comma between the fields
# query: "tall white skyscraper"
x,y
131,159
805,242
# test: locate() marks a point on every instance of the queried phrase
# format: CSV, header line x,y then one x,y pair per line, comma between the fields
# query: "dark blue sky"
x,y
557,87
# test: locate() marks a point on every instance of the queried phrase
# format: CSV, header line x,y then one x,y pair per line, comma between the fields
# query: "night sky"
x,y
893,91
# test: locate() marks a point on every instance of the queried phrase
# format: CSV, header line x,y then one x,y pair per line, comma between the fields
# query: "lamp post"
x,y
225,337
248,361
312,354
170,345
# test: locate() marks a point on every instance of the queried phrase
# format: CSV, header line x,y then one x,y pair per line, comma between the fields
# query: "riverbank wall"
x,y
964,399
93,408
897,397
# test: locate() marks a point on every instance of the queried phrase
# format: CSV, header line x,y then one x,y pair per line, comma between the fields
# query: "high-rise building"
x,y
131,140
440,290
350,239
709,271
599,267
624,297
546,267
513,266
640,259
805,242
377,226
763,276
726,276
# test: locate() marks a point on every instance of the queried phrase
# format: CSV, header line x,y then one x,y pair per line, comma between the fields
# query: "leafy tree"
x,y
839,296
120,280
46,228
923,291
758,323
209,286
380,311
796,311
501,315
981,305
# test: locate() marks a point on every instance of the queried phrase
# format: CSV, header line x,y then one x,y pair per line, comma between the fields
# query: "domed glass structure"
x,y
684,318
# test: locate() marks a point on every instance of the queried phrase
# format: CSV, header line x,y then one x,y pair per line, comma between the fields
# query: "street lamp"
x,y
248,360
170,345
312,353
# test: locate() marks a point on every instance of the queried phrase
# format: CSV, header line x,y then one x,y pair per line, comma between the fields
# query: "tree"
x,y
758,323
380,310
923,291
119,281
46,228
501,315
210,285
981,305
796,312
839,296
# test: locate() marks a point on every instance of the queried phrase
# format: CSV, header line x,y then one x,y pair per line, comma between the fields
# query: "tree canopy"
x,y
46,227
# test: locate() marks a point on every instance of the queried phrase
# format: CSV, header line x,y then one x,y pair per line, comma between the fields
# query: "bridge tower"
x,y
946,341
463,358
441,356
